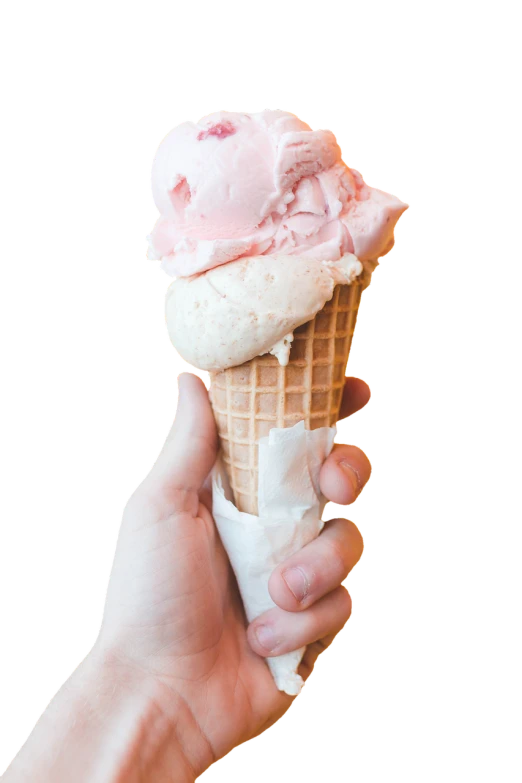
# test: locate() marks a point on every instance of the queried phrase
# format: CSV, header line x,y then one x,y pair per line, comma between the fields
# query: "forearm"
x,y
105,726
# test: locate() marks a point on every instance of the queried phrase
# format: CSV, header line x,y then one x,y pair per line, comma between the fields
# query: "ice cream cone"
x,y
261,222
251,399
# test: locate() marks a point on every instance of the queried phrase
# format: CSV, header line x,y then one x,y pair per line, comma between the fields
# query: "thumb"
x,y
190,450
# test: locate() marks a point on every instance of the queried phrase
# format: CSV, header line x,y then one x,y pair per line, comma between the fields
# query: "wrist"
x,y
112,722
155,736
162,740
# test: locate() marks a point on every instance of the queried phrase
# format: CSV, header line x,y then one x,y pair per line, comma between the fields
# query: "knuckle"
x,y
357,541
336,557
345,604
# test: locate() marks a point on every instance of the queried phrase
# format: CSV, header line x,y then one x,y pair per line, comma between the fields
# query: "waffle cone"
x,y
251,399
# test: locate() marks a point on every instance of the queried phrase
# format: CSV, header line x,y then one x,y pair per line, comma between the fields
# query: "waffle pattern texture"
x,y
251,399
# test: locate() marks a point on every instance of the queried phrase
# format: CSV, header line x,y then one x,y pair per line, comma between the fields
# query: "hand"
x,y
173,612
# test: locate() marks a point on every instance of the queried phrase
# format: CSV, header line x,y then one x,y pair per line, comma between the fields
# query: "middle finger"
x,y
318,568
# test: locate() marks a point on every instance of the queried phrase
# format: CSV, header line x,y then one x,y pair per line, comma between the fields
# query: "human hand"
x,y
174,615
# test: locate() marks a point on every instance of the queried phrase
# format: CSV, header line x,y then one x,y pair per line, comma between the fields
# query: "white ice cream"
x,y
250,307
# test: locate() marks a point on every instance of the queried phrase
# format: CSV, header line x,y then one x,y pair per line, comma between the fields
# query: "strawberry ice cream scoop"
x,y
239,185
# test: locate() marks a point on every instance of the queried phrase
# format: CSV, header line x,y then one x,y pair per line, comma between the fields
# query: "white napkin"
x,y
290,507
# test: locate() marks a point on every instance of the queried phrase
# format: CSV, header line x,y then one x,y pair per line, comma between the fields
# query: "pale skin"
x,y
177,678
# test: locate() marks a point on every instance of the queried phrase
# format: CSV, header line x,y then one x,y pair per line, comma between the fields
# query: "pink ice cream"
x,y
241,185
259,220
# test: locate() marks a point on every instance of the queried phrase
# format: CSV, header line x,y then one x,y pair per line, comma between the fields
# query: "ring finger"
x,y
277,632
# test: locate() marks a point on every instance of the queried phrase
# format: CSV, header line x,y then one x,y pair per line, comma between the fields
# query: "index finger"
x,y
356,395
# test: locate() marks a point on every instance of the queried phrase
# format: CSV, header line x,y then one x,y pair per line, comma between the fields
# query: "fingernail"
x,y
266,637
352,476
297,582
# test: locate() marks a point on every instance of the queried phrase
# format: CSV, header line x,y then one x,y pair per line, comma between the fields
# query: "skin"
x,y
176,678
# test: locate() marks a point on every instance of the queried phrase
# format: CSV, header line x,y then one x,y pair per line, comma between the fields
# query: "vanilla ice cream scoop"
x,y
250,307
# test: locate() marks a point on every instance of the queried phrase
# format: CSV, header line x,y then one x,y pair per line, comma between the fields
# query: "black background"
x,y
85,391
